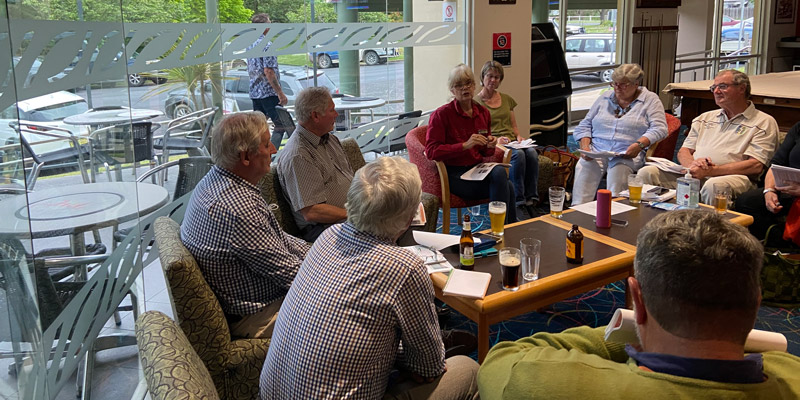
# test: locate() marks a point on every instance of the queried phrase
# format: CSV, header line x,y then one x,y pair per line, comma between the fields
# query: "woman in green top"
x,y
524,162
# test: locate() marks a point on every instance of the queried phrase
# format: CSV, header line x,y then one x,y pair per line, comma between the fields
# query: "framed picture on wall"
x,y
785,11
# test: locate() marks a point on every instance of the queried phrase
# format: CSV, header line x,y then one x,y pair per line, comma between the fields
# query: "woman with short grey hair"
x,y
624,121
384,197
234,134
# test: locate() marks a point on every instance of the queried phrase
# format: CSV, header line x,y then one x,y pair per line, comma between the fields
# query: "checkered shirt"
x,y
259,87
313,170
245,256
338,333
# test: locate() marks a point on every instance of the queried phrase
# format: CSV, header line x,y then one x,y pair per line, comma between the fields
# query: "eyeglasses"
x,y
721,86
465,86
618,85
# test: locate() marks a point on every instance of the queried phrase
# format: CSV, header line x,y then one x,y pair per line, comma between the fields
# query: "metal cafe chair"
x,y
124,143
73,150
180,134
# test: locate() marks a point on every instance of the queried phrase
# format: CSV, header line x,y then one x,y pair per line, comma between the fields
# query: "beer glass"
x,y
556,201
497,216
635,188
722,194
510,261
531,249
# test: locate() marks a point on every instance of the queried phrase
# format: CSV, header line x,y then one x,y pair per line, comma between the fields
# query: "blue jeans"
x,y
499,188
525,174
267,106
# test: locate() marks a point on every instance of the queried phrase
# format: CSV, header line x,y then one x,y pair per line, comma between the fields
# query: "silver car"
x,y
591,50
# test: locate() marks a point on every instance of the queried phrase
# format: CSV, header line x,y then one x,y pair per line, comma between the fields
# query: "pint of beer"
x,y
510,261
722,192
497,216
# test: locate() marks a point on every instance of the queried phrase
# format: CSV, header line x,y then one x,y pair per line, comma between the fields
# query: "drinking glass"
x,y
509,264
531,250
635,184
722,195
497,217
475,210
556,201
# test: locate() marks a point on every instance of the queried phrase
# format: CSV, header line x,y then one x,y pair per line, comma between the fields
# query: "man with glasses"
x,y
731,145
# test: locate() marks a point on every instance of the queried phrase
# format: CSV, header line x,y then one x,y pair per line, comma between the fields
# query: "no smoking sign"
x,y
449,11
501,48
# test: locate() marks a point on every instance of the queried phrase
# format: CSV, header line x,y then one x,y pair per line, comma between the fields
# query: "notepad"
x,y
467,284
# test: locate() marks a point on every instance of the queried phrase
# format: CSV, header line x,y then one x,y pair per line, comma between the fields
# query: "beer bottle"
x,y
466,246
575,245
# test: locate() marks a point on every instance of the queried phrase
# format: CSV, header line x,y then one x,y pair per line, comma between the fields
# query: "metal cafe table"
x,y
608,258
75,209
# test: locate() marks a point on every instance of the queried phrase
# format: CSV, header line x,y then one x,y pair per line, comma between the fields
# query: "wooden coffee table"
x,y
608,258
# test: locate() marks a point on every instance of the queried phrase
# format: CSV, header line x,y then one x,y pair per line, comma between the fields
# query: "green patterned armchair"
x,y
171,367
273,193
234,365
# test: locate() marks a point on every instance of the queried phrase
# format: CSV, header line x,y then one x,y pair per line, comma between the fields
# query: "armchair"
x,y
434,175
234,365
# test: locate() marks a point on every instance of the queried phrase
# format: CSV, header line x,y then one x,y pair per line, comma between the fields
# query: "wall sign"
x,y
501,48
449,11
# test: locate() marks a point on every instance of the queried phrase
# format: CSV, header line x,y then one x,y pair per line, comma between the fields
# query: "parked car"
x,y
47,110
735,33
237,87
591,50
376,56
729,21
571,29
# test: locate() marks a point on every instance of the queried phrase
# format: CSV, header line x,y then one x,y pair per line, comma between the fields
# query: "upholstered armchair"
x,y
171,367
234,365
434,175
273,193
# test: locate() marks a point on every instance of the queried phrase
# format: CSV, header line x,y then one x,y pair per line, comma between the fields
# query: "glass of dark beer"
x,y
510,260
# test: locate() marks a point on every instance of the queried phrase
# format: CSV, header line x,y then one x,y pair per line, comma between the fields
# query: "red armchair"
x,y
434,175
666,147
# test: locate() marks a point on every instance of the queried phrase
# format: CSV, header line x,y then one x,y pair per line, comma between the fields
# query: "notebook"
x,y
469,284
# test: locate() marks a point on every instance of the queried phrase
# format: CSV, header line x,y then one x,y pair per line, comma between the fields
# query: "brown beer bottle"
x,y
575,246
466,246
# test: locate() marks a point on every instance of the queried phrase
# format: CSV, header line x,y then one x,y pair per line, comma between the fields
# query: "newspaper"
x,y
525,144
666,165
480,171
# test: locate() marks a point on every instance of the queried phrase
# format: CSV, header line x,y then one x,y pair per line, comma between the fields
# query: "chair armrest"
x,y
445,184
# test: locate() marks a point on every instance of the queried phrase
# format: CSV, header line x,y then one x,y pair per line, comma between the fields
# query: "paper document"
x,y
650,193
434,260
525,144
419,219
467,284
599,154
666,165
436,240
478,172
591,208
622,329
785,174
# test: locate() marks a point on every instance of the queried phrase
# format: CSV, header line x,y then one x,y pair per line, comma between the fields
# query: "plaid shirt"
x,y
259,87
338,332
245,256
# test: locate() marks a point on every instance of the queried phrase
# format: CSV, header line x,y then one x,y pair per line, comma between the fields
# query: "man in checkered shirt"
x,y
361,306
312,167
245,257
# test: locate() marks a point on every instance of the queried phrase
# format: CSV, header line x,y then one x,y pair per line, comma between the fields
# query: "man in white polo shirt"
x,y
731,145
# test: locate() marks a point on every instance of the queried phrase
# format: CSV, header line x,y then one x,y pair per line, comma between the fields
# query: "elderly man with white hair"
x,y
245,257
731,145
312,167
361,306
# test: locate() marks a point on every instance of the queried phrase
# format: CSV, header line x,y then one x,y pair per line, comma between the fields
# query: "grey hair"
x,y
237,133
699,275
461,74
630,72
492,66
739,79
309,100
384,196
260,18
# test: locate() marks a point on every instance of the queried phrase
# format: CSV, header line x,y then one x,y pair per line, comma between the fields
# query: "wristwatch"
x,y
767,190
641,146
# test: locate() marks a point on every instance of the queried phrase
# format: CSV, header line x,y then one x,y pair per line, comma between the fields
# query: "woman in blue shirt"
x,y
625,121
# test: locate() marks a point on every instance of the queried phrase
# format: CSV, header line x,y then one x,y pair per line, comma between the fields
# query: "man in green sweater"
x,y
695,294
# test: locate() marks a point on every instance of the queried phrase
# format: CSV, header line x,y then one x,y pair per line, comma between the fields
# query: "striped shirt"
x,y
338,333
245,256
752,133
313,170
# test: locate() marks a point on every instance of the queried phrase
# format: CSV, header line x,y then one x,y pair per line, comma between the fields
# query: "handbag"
x,y
564,164
780,277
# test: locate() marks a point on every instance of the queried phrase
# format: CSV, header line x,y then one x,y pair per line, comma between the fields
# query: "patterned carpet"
x,y
595,308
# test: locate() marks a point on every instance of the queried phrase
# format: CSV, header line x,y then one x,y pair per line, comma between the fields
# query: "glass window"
x,y
573,45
